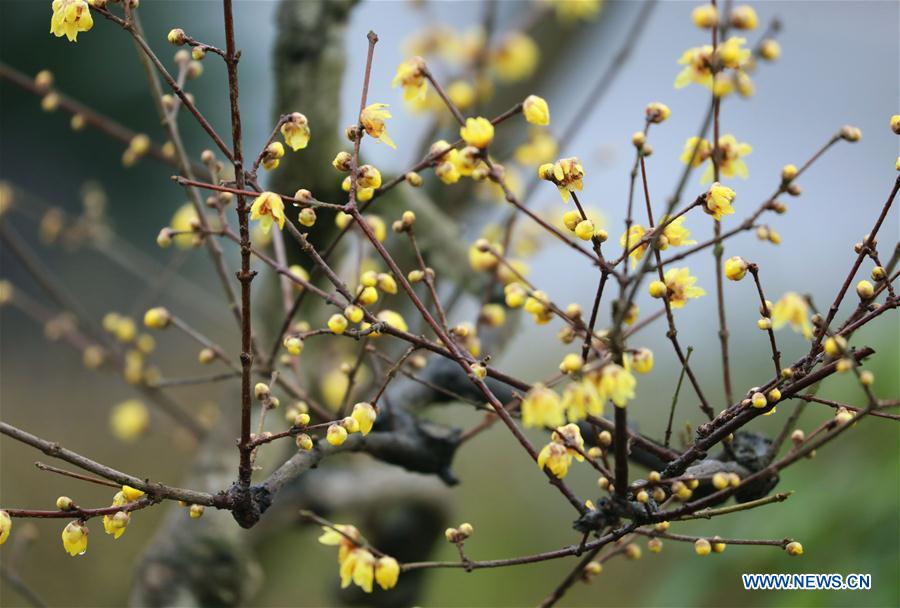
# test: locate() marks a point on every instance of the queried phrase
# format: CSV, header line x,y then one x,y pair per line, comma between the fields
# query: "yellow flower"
x,y
735,268
570,11
675,234
731,164
387,571
570,436
478,132
769,49
680,287
641,360
633,236
184,220
540,148
131,494
5,526
705,16
462,94
541,408
617,384
743,17
295,131
793,309
129,420
157,318
566,173
115,524
336,435
358,567
368,177
69,18
538,306
696,62
365,416
272,155
267,207
794,549
580,399
345,537
555,457
411,76
393,319
75,538
372,119
733,54
536,110
362,194
657,112
703,151
515,57
719,199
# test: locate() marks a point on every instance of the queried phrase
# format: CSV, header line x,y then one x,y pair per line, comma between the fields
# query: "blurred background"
x,y
840,65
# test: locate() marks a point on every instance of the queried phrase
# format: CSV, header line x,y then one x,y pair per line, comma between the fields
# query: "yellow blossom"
x,y
343,536
631,238
267,207
387,571
570,436
793,309
680,287
555,457
696,151
462,94
70,17
641,360
129,420
743,17
735,268
5,526
731,164
580,399
566,173
358,567
372,119
115,524
536,110
674,233
570,11
362,195
657,112
705,16
719,199
617,384
295,131
131,494
272,155
75,538
540,148
184,220
541,407
515,57
794,548
157,318
365,416
393,319
411,76
733,54
336,435
478,132
769,49
697,68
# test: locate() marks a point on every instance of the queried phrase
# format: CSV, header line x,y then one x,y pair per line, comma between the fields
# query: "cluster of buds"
x,y
459,534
